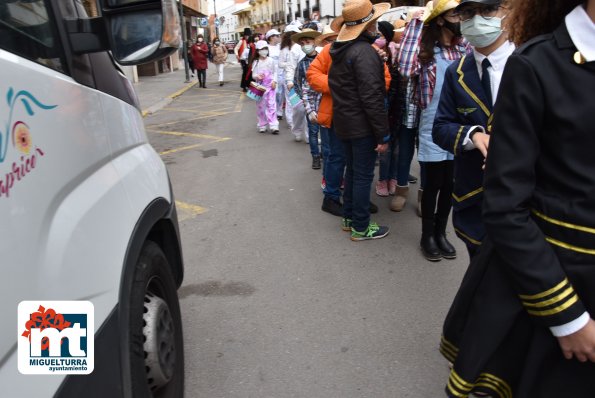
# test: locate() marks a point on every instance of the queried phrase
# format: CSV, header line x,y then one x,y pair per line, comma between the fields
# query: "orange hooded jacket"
x,y
317,77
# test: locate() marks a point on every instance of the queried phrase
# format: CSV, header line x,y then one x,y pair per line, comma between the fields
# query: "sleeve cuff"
x,y
467,143
571,327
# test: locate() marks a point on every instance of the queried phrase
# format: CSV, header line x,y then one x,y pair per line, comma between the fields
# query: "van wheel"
x,y
157,349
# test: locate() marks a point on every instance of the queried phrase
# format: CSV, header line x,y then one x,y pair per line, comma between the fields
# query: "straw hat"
x,y
439,7
357,15
305,33
399,24
326,33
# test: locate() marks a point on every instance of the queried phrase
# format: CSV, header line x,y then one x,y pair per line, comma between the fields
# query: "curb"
x,y
167,100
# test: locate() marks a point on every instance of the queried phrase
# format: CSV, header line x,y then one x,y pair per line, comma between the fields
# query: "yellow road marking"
x,y
192,110
184,134
187,210
185,148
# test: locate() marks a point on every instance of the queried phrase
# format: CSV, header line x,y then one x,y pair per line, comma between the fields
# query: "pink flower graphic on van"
x,y
21,137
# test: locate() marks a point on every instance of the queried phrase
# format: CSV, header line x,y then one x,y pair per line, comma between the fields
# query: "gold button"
x,y
578,58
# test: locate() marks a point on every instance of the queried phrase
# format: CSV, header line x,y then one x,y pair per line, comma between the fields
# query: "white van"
x,y
86,207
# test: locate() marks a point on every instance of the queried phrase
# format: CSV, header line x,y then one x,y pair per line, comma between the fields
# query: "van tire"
x,y
155,328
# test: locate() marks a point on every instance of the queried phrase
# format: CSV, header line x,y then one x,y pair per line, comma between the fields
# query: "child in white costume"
x,y
264,72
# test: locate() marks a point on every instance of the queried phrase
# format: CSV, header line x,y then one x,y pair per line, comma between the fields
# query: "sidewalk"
x,y
156,92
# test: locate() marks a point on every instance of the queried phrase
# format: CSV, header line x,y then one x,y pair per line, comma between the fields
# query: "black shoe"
x,y
412,179
245,90
333,207
275,131
279,117
429,248
204,86
220,84
446,249
316,162
373,208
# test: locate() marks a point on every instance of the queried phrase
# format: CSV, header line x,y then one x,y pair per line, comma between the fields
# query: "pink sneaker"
x,y
392,186
381,188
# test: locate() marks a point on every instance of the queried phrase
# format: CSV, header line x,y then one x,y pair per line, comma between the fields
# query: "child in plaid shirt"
x,y
310,98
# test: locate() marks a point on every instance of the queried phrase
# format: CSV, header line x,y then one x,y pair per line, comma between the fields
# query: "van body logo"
x,y
56,337
21,107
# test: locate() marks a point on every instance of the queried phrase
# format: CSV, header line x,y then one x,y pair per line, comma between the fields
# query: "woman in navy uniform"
x,y
465,110
521,324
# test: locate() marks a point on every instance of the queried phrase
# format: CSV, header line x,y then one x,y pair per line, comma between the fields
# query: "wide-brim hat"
x,y
439,7
305,33
327,32
486,2
357,14
337,23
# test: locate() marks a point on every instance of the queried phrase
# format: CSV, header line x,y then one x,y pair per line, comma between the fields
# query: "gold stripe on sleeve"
x,y
559,286
557,309
551,301
457,140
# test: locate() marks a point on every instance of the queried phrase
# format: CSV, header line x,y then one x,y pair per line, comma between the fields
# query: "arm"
x,y
510,181
371,89
317,74
236,49
298,79
448,133
291,66
407,58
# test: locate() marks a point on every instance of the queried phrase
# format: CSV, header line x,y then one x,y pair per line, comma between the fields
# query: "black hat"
x,y
247,32
386,28
486,2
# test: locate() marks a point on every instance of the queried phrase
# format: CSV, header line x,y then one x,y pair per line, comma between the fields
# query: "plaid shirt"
x,y
310,98
410,67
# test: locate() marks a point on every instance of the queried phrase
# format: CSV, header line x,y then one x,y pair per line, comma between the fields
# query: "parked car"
x,y
230,45
86,204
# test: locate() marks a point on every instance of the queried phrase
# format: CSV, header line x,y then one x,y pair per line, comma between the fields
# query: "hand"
x,y
381,148
580,344
418,14
274,85
381,54
289,85
481,142
313,117
258,77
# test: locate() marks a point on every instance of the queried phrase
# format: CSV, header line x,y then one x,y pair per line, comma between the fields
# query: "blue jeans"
x,y
334,164
324,146
406,149
387,168
313,138
360,156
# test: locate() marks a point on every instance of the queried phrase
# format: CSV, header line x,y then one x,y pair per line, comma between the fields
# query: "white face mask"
x,y
263,53
199,40
481,32
307,48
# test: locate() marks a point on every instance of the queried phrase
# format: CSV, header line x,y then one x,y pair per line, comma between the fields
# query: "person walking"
x,y
521,324
264,72
299,126
242,53
273,38
190,60
464,114
428,47
284,55
310,98
358,90
219,53
199,52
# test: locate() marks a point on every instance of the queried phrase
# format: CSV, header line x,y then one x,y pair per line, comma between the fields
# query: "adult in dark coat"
x,y
356,81
200,52
521,324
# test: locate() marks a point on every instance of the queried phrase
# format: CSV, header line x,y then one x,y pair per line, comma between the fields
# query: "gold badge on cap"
x,y
579,58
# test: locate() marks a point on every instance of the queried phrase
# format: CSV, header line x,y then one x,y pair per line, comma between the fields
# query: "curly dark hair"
x,y
430,35
530,18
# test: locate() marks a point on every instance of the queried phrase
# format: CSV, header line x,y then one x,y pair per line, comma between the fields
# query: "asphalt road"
x,y
277,301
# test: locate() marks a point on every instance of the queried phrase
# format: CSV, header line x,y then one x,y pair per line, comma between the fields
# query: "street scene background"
x,y
276,300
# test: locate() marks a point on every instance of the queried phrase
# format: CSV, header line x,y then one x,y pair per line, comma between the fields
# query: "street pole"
x,y
215,20
185,44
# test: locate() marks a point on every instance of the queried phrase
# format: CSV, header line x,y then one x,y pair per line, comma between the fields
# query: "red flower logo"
x,y
43,319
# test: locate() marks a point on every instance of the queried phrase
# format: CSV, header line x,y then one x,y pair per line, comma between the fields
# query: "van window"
x,y
27,29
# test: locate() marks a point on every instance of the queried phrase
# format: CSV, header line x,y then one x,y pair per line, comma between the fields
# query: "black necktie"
x,y
485,80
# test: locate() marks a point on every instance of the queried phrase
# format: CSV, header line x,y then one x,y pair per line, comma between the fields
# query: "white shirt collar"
x,y
582,32
497,58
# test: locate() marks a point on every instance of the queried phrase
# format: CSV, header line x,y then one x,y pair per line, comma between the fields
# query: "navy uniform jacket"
x,y
463,104
536,267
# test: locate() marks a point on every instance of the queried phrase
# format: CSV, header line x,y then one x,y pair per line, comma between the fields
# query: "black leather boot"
x,y
446,248
429,247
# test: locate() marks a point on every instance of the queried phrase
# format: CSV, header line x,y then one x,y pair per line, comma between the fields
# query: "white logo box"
x,y
49,320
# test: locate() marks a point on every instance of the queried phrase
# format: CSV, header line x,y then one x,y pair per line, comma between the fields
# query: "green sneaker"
x,y
346,224
374,231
